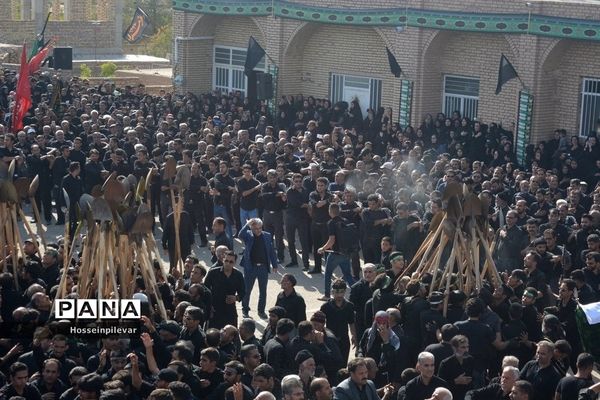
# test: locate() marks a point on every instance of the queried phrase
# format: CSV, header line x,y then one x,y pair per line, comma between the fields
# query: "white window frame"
x,y
337,85
587,123
232,70
462,98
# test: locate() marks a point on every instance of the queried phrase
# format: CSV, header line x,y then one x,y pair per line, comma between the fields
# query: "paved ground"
x,y
309,286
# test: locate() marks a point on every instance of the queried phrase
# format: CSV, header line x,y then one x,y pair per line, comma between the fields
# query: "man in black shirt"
x,y
319,201
248,189
569,386
423,386
195,202
541,373
227,286
210,376
223,186
73,184
276,350
94,171
292,302
296,220
273,199
18,385
335,256
60,168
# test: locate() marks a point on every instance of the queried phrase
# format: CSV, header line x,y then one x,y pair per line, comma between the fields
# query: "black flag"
x,y
138,26
394,66
505,73
254,54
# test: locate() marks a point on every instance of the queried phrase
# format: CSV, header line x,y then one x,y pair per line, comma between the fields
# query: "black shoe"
x,y
292,264
262,315
280,259
314,271
245,314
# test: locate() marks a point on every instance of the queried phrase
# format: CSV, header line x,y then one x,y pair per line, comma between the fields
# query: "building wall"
x,y
307,52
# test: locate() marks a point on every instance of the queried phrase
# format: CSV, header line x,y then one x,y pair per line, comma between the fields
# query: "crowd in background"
x,y
355,191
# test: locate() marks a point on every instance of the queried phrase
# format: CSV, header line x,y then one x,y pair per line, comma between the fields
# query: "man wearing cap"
x,y
432,320
397,265
306,369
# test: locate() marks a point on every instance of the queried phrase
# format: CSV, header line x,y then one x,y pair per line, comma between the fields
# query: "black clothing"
x,y
249,202
30,392
569,386
544,380
277,356
451,368
294,305
491,392
417,390
440,351
221,286
480,338
215,378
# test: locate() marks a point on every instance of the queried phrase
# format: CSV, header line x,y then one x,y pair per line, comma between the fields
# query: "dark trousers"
x,y
371,251
273,223
260,273
318,231
155,206
198,213
293,224
72,220
43,200
58,203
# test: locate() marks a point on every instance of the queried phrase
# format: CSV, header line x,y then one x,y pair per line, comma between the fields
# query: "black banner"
x,y
254,54
506,72
394,66
138,26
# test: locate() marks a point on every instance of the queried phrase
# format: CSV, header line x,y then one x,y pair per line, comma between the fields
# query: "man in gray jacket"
x,y
357,386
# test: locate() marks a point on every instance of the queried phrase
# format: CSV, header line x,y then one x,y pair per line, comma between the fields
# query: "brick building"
x,y
449,53
91,27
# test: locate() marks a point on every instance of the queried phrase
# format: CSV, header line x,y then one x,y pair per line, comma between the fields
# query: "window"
x,y
228,69
461,93
347,88
590,106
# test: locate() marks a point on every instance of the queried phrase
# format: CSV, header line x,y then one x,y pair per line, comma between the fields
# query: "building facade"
x,y
449,52
91,27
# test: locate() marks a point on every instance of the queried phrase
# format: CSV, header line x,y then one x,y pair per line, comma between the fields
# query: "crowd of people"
x,y
355,191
